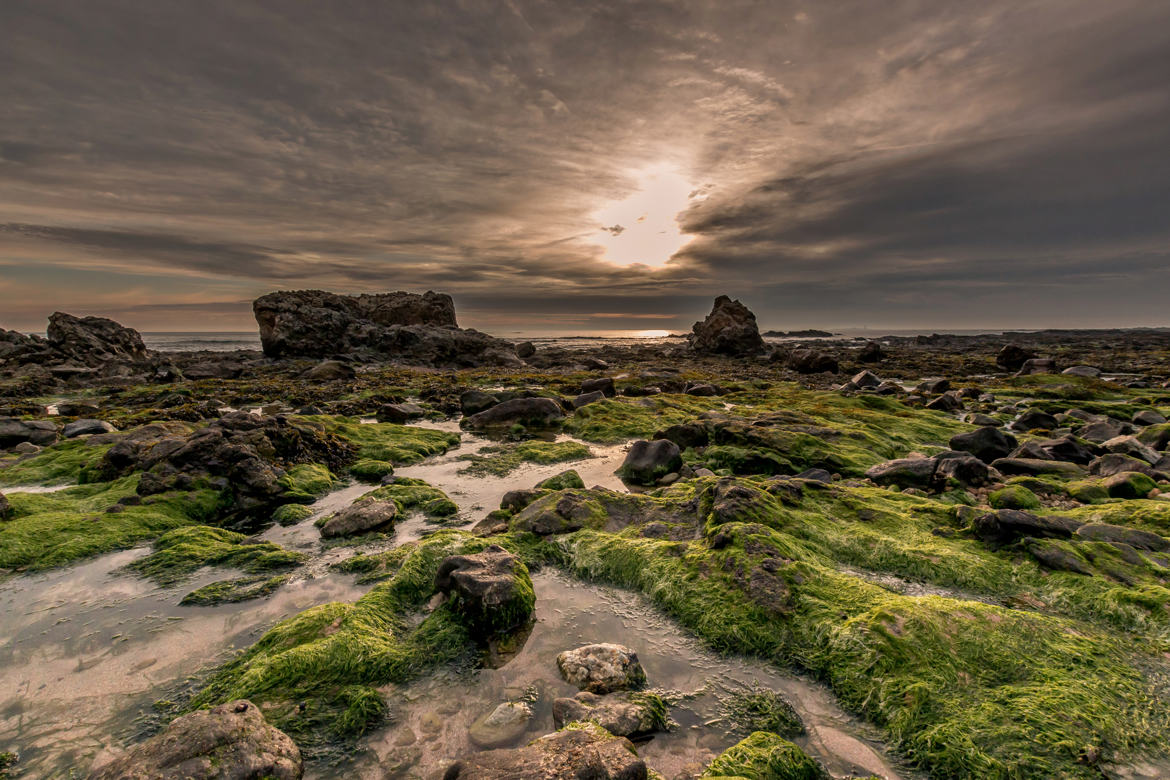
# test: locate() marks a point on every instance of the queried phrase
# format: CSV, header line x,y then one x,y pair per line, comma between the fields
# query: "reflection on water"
x,y
431,717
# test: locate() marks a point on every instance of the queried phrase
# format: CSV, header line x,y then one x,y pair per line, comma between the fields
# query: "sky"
x,y
572,166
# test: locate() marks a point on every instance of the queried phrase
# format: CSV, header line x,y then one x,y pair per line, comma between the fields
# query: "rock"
x,y
475,401
5,508
93,341
400,413
525,350
1014,497
1037,366
502,726
765,756
933,385
1007,525
1012,357
602,385
1143,540
418,329
871,353
1034,467
730,329
77,410
230,742
985,443
1131,446
1128,484
87,427
491,589
1115,463
602,668
330,371
647,461
976,418
703,389
1103,429
686,435
587,398
1148,417
622,714
1067,448
1053,556
1085,371
1034,419
811,361
563,481
363,515
866,379
947,402
39,432
586,753
533,412
26,448
904,472
964,468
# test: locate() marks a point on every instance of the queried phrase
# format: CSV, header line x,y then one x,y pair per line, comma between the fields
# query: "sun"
x,y
643,228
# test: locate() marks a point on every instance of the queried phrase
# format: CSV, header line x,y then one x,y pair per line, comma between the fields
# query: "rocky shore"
x,y
965,538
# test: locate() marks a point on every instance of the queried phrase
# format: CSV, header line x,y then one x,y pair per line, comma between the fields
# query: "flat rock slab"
x,y
361,516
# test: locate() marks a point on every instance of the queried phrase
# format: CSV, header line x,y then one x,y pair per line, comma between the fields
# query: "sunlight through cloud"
x,y
643,228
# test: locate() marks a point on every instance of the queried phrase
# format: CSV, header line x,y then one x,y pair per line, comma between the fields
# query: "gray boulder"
x,y
1085,371
330,371
1007,525
904,472
502,726
587,398
812,361
1013,356
532,412
39,432
87,427
230,742
475,401
363,515
648,461
1104,532
93,341
602,668
601,384
986,443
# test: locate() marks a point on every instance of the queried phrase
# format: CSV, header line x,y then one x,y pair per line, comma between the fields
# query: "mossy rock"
x,y
233,591
763,756
183,551
291,514
563,481
371,470
502,459
1014,497
306,482
1128,484
1087,491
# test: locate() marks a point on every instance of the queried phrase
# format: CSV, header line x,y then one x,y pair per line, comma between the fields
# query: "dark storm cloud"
x,y
903,163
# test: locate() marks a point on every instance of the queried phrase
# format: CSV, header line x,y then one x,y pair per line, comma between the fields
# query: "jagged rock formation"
x,y
730,329
417,329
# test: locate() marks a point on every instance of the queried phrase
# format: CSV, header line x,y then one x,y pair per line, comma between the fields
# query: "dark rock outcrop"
x,y
536,412
986,443
401,326
93,341
491,589
730,329
230,742
811,361
647,461
1007,525
1012,357
38,432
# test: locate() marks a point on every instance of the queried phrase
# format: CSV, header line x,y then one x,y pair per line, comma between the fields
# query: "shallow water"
x,y
430,724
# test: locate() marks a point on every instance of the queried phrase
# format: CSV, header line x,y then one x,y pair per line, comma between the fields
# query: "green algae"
x,y
304,483
757,708
368,470
65,463
1014,497
408,493
53,529
291,514
613,420
399,445
763,756
499,460
181,552
316,674
233,591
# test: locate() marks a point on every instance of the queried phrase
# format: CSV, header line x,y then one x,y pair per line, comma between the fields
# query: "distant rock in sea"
x,y
797,334
397,326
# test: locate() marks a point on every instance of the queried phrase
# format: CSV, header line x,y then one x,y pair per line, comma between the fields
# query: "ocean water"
x,y
221,341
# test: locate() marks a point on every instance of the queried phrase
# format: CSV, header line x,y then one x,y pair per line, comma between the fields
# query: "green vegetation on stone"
x,y
613,420
306,482
399,445
60,464
760,709
53,529
409,493
233,591
181,552
371,470
291,514
1014,497
763,756
499,460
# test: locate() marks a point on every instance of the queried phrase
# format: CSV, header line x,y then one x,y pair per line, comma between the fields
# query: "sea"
x,y
228,341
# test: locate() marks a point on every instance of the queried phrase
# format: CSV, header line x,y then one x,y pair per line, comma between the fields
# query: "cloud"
x,y
845,161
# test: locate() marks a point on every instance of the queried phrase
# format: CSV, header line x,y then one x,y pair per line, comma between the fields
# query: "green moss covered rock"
x,y
764,756
1014,497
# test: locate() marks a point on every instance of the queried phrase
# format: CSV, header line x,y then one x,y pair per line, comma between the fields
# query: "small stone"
x,y
602,668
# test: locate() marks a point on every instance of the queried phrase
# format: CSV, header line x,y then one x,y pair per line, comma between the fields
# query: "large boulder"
x,y
402,326
87,427
812,361
491,589
1012,357
730,329
622,714
580,753
1007,525
365,514
38,432
986,443
532,412
602,668
230,742
648,461
93,341
904,472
